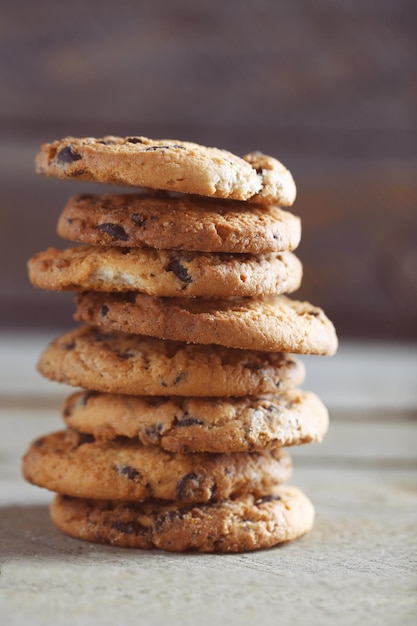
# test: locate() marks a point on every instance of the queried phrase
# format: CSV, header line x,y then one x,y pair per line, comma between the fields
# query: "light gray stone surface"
x,y
358,565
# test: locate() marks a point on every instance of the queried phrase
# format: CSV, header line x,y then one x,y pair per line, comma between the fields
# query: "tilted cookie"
x,y
290,418
276,324
165,272
169,165
177,222
67,463
242,524
137,365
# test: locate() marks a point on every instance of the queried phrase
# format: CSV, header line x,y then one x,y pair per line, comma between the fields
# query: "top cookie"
x,y
169,165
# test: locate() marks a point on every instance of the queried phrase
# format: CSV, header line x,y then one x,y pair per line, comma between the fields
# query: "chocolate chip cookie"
x,y
242,524
71,464
290,418
169,165
277,324
133,364
177,222
165,272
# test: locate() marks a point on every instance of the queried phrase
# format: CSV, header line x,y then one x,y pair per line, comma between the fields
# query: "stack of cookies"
x,y
185,352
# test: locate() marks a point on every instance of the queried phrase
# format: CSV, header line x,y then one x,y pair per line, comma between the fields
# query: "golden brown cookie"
x,y
71,464
169,165
244,523
165,272
276,180
177,222
290,418
276,324
133,364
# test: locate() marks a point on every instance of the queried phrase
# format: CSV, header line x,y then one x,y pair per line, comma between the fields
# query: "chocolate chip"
x,y
138,219
153,432
69,346
173,145
189,421
154,148
39,442
130,472
267,499
188,485
104,310
166,518
179,378
134,140
115,231
68,155
128,528
126,354
179,270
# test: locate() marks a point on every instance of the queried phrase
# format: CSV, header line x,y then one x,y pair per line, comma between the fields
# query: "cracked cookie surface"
x,y
292,417
133,364
165,272
169,165
275,324
75,465
168,221
244,523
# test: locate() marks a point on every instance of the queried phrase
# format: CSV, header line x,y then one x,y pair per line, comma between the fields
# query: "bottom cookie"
x,y
243,524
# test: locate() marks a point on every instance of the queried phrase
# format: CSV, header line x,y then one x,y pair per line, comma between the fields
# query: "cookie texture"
x,y
133,364
277,324
165,272
177,222
242,524
277,181
216,425
67,463
164,164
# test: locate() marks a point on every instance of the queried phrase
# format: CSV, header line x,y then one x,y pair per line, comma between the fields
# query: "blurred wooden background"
x,y
327,87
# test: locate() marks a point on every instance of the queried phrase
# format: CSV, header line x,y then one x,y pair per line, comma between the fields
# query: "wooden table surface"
x,y
357,565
